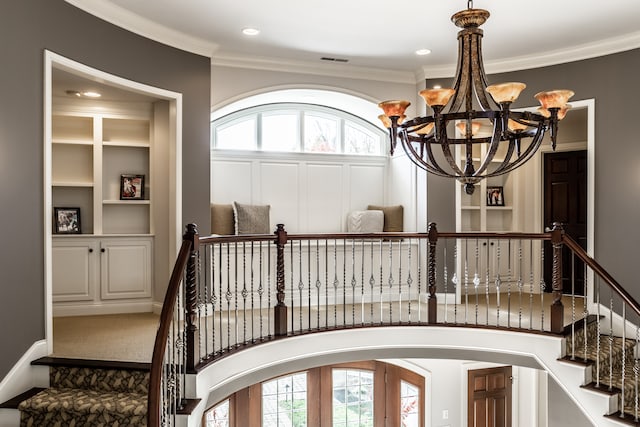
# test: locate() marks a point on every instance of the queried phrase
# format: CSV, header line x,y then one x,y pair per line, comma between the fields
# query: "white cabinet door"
x,y
125,266
75,269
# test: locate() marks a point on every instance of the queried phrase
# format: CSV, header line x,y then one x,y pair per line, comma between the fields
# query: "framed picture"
x,y
131,187
66,220
495,196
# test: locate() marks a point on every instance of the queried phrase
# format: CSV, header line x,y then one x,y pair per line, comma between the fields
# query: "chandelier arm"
x,y
418,161
479,78
493,148
432,158
446,150
462,84
507,157
528,153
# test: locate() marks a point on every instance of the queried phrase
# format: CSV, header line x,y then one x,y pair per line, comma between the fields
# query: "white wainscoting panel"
x,y
280,183
307,192
325,211
231,180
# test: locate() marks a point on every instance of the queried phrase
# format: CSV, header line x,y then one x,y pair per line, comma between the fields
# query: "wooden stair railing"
x,y
155,401
235,264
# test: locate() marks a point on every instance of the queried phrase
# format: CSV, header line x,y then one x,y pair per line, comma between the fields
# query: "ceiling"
x,y
377,34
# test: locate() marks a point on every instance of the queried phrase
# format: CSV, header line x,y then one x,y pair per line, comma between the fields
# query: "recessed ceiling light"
x,y
250,31
423,52
91,94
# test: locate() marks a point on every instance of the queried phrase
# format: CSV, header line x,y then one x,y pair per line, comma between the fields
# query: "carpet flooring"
x,y
121,337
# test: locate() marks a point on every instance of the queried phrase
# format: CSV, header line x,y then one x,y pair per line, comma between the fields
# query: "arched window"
x,y
297,127
345,395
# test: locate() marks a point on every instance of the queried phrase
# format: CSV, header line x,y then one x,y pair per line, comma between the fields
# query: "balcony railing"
x,y
230,292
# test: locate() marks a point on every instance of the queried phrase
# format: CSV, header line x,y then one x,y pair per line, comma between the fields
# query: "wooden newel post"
x,y
557,309
280,310
431,274
191,296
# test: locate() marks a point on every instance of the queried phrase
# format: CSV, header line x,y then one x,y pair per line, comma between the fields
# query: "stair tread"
x,y
91,363
15,401
79,401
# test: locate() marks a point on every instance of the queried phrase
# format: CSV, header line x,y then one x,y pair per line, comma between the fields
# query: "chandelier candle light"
x,y
463,110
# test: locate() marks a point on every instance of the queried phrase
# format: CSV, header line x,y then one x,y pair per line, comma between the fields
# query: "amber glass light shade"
x,y
386,121
506,92
425,130
462,127
554,98
394,108
515,126
437,97
562,112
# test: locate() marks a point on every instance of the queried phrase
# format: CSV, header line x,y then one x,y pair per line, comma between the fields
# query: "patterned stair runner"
x,y
82,396
611,354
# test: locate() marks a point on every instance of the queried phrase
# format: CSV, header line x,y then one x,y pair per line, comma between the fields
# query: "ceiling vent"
x,y
327,58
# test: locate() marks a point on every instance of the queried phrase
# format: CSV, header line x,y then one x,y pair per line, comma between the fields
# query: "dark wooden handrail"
x,y
385,236
160,345
600,271
185,263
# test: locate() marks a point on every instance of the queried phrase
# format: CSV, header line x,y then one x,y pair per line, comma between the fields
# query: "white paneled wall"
x,y
307,192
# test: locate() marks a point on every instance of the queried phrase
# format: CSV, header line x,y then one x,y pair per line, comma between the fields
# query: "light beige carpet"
x,y
123,337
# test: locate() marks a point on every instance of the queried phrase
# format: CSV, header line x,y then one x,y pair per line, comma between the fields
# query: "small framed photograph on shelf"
x,y
131,187
66,220
495,196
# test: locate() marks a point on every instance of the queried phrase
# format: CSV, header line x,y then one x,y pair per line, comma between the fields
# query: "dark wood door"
x,y
565,201
489,399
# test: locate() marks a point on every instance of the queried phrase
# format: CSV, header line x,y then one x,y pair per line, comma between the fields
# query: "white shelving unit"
x,y
474,213
108,267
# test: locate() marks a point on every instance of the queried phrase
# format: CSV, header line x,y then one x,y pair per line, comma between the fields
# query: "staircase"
x,y
89,393
615,355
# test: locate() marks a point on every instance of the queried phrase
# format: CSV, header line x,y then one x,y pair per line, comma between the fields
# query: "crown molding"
x,y
560,56
314,68
121,17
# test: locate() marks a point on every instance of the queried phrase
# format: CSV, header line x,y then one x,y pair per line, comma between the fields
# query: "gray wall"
x,y
612,81
27,28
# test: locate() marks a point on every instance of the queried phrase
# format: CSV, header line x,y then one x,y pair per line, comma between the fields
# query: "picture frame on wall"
x,y
495,196
131,187
66,220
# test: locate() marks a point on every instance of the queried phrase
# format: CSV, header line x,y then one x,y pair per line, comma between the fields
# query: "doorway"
x,y
565,202
86,144
489,397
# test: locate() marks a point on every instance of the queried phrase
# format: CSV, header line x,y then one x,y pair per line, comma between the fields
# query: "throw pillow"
x,y
222,221
393,217
369,221
251,219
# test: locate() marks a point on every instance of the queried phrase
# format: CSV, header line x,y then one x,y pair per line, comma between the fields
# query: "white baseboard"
x,y
119,307
9,418
157,307
24,376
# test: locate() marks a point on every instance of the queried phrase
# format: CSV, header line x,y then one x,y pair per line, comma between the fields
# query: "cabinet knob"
x,y
102,250
90,250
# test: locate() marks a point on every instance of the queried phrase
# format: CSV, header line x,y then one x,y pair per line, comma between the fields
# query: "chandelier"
x,y
459,113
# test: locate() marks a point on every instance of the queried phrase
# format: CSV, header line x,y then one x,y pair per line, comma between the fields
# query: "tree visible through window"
x,y
297,128
218,416
409,405
352,398
284,401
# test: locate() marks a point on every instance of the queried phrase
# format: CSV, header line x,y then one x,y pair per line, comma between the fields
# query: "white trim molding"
x,y
121,17
543,59
314,68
